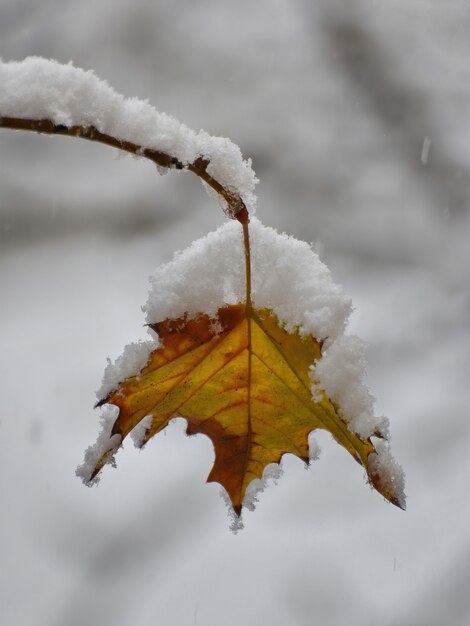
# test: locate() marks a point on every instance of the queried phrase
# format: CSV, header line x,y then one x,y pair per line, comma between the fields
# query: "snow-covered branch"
x,y
44,96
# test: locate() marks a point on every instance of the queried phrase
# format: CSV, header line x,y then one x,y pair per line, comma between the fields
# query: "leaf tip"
x,y
100,403
399,503
386,476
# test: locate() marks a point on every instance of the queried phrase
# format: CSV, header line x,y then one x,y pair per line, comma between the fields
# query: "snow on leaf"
x,y
247,379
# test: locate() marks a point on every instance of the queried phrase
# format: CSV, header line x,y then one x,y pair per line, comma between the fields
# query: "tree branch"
x,y
235,206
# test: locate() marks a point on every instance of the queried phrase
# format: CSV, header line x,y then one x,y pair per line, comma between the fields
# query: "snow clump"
x,y
287,277
43,89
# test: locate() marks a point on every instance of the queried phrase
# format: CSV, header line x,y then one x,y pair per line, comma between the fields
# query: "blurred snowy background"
x,y
356,115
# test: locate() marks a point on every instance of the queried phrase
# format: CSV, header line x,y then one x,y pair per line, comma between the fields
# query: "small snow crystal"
x,y
425,150
132,360
139,431
272,472
340,374
101,446
314,449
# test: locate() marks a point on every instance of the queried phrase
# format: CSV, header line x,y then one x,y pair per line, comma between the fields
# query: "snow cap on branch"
x,y
42,89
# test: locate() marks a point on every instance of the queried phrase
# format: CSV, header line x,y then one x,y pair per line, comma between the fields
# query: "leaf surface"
x,y
244,381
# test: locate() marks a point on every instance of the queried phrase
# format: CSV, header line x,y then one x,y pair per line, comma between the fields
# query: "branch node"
x,y
201,164
176,164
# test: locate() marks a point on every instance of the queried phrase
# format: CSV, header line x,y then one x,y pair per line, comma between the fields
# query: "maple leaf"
x,y
243,380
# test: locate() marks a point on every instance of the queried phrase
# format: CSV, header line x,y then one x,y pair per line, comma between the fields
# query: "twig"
x,y
235,206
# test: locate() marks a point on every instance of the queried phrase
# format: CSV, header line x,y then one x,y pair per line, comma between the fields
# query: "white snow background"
x,y
336,105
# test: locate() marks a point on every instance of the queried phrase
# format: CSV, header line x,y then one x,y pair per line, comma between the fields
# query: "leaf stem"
x,y
199,167
243,217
